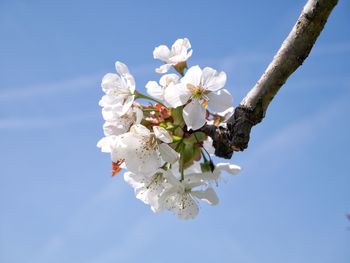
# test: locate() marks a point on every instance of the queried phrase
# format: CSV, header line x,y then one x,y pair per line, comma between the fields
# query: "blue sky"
x,y
58,202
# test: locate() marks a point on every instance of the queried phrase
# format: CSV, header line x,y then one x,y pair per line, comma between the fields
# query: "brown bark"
x,y
294,50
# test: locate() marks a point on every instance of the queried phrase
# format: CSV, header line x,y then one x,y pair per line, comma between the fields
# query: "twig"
x,y
294,50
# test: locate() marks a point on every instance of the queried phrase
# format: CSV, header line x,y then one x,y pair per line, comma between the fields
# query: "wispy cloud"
x,y
140,234
296,134
44,122
227,63
88,218
79,83
332,48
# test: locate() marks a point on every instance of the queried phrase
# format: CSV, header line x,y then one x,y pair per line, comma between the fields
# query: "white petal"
x,y
109,114
110,82
186,43
168,154
128,79
227,167
208,145
140,156
188,55
177,95
121,68
130,83
163,68
141,130
116,128
134,180
116,157
226,114
161,52
186,207
220,101
168,79
154,90
105,144
192,76
194,115
147,189
111,100
179,51
112,112
194,168
162,134
139,115
127,105
119,148
152,190
212,80
181,43
142,162
194,180
209,176
208,195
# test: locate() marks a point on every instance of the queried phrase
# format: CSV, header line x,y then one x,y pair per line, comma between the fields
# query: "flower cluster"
x,y
167,157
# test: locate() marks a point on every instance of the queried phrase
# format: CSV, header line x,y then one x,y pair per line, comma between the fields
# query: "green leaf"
x,y
169,125
176,138
177,116
207,166
195,138
187,155
190,140
179,132
197,153
200,136
163,125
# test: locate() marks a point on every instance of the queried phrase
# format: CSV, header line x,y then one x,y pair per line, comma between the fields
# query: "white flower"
x,y
116,125
183,196
156,90
204,87
162,134
142,153
231,169
208,146
113,144
149,189
226,114
105,144
178,54
119,89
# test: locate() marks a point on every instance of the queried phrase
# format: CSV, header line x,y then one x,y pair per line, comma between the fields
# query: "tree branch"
x,y
294,50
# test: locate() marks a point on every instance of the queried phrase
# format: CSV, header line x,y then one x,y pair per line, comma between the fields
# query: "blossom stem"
x,y
149,110
205,150
182,175
139,95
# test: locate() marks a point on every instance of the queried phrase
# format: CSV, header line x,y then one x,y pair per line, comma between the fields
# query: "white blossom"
x,y
157,90
116,125
229,168
119,89
179,53
183,197
203,87
208,146
149,188
142,153
232,169
105,144
162,134
146,150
